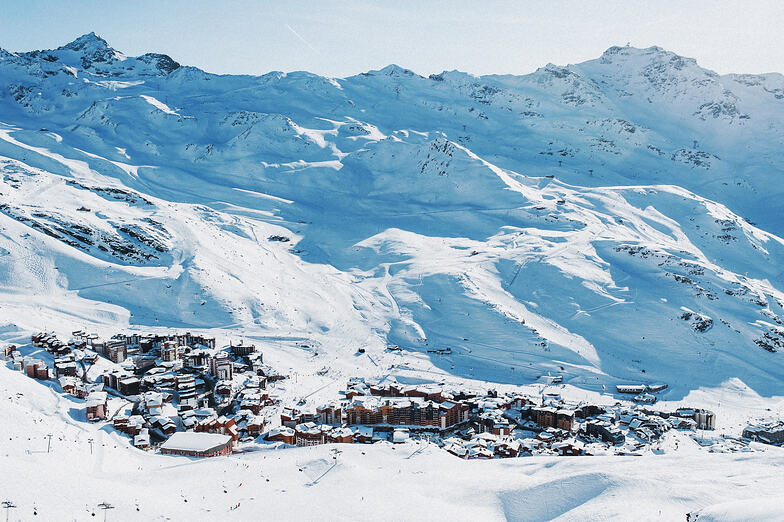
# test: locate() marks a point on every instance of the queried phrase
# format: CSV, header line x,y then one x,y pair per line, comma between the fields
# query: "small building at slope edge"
x,y
192,444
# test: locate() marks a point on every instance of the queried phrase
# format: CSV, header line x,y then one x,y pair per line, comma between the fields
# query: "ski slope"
x,y
350,481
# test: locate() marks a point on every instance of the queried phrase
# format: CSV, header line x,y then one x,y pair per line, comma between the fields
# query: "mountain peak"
x,y
88,49
87,42
394,70
654,53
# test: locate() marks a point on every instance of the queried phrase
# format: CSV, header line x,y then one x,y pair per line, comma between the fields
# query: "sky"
x,y
339,38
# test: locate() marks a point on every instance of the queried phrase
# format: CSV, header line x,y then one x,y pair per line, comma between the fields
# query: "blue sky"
x,y
339,38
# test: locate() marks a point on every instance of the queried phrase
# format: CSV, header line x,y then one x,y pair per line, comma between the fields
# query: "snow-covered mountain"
x,y
615,220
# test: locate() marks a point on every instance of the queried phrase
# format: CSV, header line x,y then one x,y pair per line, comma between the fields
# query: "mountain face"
x,y
615,220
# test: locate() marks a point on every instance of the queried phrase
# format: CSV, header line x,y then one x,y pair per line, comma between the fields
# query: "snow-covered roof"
x,y
192,441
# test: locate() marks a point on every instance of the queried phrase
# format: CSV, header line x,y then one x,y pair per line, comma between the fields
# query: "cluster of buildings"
x,y
30,366
768,432
478,426
189,398
312,434
177,384
643,393
191,388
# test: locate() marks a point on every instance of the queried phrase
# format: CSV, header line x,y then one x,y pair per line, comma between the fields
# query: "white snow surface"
x,y
562,222
191,441
382,481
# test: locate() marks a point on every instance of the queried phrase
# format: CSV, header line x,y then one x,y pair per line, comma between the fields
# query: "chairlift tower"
x,y
106,507
8,506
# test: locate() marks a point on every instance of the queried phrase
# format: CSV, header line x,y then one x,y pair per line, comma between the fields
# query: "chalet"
x,y
96,406
681,423
457,449
65,366
506,449
8,352
508,402
546,436
120,422
478,452
222,425
415,411
129,386
132,425
309,434
357,388
364,435
77,345
531,445
570,447
82,390
68,384
36,369
193,444
290,417
584,411
142,440
152,400
282,434
58,348
135,425
253,399
604,431
501,428
164,424
94,341
254,426
340,435
190,418
223,388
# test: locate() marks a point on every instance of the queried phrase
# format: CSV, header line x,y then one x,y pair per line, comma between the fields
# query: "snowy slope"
x,y
352,481
616,220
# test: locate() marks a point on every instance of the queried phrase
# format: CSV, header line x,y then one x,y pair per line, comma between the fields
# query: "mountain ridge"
x,y
569,213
